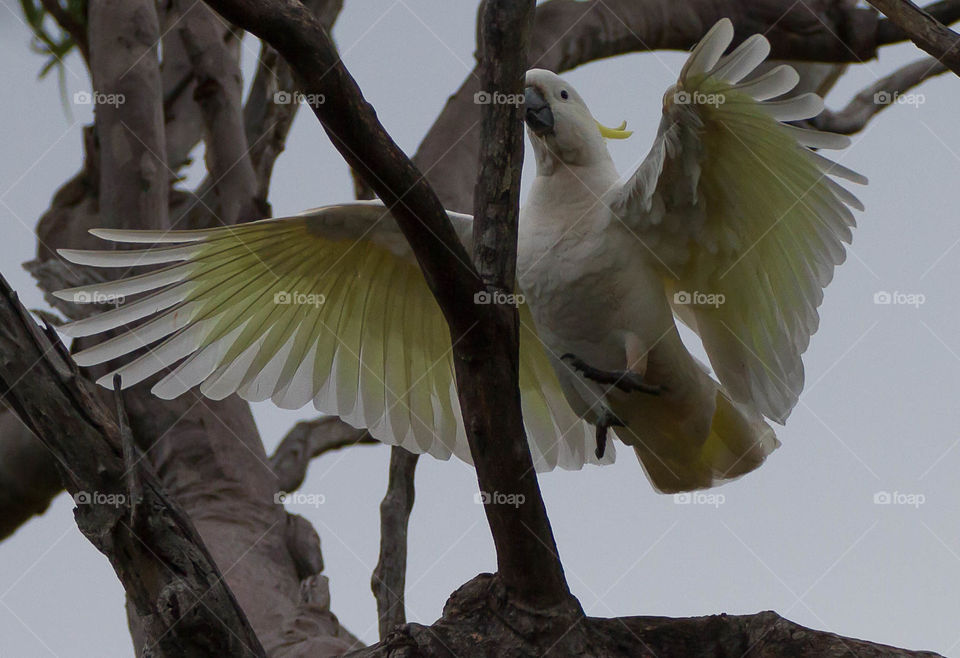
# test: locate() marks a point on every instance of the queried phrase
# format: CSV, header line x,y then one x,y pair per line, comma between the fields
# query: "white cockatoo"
x,y
731,224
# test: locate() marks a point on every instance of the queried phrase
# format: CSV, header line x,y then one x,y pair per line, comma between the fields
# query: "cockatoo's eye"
x,y
564,95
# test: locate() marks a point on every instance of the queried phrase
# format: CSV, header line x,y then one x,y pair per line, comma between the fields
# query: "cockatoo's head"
x,y
560,125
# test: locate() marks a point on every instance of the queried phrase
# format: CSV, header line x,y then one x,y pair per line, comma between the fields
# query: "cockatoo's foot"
x,y
606,421
626,380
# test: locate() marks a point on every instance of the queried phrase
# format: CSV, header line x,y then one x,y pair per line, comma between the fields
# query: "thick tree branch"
x,y
488,383
945,11
177,589
932,36
129,119
389,578
476,622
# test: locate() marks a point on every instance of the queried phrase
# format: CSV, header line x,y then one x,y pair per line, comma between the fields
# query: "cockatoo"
x,y
732,223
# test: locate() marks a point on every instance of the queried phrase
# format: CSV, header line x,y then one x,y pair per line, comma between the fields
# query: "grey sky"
x,y
802,535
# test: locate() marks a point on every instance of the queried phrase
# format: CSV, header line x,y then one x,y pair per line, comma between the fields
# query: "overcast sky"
x,y
802,535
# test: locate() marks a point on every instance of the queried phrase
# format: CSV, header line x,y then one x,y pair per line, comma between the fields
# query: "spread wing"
x,y
744,217
327,307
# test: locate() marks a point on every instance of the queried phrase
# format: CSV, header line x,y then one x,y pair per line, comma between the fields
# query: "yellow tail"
x,y
738,442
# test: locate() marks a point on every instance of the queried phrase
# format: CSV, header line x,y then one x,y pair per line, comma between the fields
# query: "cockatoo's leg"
x,y
606,420
626,380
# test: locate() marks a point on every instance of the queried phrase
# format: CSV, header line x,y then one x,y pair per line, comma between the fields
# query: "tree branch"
x,y
488,383
932,36
309,439
176,587
389,578
875,98
218,91
945,11
129,119
476,623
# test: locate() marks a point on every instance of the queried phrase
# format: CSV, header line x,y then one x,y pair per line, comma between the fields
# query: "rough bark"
x,y
129,111
932,36
478,620
176,588
389,578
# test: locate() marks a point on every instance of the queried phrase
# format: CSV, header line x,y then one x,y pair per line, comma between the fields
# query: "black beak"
x,y
538,115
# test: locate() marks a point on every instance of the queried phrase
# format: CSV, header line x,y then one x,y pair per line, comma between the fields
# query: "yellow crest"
x,y
620,132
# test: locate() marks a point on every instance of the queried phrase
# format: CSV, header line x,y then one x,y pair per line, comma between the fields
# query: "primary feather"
x,y
327,307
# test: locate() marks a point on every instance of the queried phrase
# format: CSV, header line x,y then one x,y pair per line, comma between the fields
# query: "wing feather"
x,y
326,307
741,207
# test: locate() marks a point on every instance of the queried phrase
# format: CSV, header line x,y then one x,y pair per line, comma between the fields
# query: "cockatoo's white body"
x,y
730,223
611,311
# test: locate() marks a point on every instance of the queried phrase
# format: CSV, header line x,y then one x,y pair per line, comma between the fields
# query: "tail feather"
x,y
738,442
